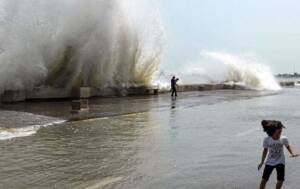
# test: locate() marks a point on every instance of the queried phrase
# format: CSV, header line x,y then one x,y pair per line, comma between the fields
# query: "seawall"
x,y
46,93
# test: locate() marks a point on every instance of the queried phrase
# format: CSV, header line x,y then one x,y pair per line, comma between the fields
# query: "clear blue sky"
x,y
268,28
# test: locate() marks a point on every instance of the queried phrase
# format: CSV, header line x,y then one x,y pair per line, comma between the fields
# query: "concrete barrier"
x,y
45,93
10,96
142,90
287,83
208,87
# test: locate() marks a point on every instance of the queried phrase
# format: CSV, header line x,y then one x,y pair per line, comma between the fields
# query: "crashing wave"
x,y
75,43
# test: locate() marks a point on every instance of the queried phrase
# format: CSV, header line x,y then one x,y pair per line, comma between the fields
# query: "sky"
x,y
269,29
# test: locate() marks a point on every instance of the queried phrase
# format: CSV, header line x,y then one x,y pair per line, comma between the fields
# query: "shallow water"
x,y
201,140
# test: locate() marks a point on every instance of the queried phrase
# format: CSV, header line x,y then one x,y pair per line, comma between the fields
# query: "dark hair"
x,y
270,126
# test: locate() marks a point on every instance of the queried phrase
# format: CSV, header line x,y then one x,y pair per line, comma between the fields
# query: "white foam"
x,y
10,133
66,42
245,70
219,67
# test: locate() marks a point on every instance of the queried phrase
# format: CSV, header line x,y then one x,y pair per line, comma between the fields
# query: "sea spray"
x,y
72,43
220,67
245,70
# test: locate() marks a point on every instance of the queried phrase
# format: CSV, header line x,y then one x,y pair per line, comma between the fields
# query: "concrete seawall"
x,y
44,93
289,83
209,87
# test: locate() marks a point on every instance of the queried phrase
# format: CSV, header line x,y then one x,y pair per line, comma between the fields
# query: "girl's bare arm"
x,y
292,152
263,158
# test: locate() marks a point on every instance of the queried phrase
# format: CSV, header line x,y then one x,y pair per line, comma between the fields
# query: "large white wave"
x,y
245,70
220,67
67,43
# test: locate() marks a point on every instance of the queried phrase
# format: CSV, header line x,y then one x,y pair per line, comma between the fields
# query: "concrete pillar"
x,y
81,105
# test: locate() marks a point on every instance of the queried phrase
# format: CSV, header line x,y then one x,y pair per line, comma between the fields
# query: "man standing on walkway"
x,y
174,85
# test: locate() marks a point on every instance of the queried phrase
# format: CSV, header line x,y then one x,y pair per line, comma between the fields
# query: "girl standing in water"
x,y
273,147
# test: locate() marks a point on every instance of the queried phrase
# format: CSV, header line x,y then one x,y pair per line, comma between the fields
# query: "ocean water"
x,y
200,140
